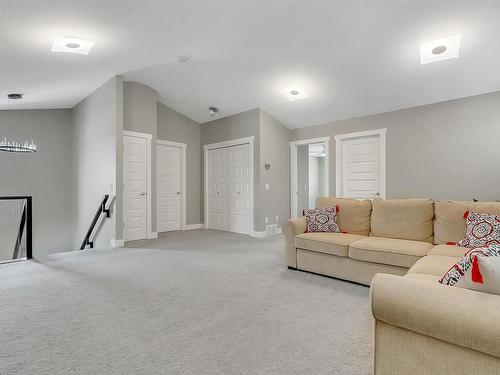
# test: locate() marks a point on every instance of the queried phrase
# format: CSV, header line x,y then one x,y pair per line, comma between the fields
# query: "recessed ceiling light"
x,y
439,49
72,45
293,93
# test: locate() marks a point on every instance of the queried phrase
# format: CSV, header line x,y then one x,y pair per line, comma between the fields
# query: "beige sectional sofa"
x,y
421,326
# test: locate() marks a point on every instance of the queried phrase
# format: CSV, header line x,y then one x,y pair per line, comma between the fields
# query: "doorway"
x,y
170,186
309,177
136,185
360,165
229,186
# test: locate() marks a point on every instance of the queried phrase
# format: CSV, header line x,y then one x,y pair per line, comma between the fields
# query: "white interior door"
x,y
229,189
134,188
239,208
168,191
217,189
362,167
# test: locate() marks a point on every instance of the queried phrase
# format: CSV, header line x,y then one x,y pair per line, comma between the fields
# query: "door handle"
x,y
377,194
178,193
143,194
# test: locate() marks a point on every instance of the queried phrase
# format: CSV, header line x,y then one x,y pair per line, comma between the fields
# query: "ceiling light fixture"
x,y
213,110
72,45
439,49
293,93
9,145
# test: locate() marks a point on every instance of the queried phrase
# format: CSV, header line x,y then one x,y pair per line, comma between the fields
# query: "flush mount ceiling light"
x,y
293,93
439,49
72,45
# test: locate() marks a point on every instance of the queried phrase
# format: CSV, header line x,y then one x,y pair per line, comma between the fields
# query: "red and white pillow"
x,y
481,230
321,219
478,270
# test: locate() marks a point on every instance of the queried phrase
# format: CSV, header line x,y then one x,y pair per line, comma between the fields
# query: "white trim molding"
x,y
225,144
294,174
183,147
117,243
149,174
152,235
193,226
338,158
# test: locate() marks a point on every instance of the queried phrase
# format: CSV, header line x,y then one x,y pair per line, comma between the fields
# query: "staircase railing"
x,y
25,223
102,209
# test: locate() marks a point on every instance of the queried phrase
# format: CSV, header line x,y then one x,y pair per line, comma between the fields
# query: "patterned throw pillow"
x,y
481,230
468,267
321,219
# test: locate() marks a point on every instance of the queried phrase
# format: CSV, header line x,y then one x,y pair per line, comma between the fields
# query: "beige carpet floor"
x,y
196,302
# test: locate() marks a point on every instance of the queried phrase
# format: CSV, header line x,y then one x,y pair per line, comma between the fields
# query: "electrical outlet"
x,y
267,186
267,220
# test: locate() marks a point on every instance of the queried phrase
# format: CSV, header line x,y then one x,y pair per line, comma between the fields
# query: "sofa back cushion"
x,y
353,215
449,222
408,219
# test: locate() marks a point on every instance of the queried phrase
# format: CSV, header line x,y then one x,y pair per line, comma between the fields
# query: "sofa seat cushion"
x,y
449,250
436,265
423,276
402,253
329,243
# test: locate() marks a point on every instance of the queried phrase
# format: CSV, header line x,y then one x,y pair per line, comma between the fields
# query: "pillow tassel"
x,y
476,272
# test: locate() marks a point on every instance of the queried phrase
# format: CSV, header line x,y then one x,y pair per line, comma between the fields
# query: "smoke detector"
x,y
213,110
15,96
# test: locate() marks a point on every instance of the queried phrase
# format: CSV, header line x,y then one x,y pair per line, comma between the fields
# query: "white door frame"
x,y
233,142
338,158
183,147
293,169
149,213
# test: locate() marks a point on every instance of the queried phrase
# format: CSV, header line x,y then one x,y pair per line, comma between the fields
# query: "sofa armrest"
x,y
291,228
455,315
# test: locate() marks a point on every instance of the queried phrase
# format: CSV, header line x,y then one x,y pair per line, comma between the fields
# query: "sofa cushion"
x,y
449,250
407,219
402,253
353,215
329,243
449,221
436,265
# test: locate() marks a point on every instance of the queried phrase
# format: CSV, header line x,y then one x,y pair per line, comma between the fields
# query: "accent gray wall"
x,y
244,124
175,127
274,150
45,175
140,115
448,150
96,129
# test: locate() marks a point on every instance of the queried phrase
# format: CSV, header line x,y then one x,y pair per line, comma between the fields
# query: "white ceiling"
x,y
353,57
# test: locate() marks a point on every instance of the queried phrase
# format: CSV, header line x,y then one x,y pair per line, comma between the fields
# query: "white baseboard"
x,y
193,226
117,243
152,235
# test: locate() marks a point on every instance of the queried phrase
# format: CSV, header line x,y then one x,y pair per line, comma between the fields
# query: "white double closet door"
x,y
229,189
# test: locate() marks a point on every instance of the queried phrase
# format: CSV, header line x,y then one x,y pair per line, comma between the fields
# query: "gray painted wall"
x,y
96,129
175,127
245,124
45,175
274,150
447,150
140,115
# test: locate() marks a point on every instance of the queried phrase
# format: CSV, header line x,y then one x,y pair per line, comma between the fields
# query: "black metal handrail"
x,y
26,219
100,210
20,232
